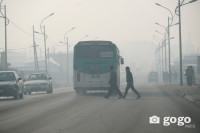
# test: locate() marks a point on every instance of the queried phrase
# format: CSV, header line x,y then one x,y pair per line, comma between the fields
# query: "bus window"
x,y
97,51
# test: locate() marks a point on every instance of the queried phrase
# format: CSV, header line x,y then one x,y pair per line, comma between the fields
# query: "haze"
x,y
128,23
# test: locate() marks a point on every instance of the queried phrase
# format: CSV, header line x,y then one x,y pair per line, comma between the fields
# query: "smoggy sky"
x,y
120,21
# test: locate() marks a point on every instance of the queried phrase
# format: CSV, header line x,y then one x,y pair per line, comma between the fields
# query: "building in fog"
x,y
56,65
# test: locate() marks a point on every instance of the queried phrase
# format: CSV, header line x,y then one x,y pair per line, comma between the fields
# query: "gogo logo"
x,y
180,120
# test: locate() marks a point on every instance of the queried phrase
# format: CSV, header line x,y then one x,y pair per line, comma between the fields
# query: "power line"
x,y
21,48
20,29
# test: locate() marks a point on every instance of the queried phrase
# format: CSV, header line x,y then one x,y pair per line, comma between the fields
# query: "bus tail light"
x,y
78,77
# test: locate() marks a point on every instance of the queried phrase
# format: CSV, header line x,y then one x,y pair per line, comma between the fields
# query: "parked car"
x,y
38,82
153,77
11,84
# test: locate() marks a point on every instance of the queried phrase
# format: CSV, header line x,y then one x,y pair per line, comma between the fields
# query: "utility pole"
x,y
169,51
35,52
48,60
6,52
159,61
165,53
34,49
45,50
162,55
67,61
180,44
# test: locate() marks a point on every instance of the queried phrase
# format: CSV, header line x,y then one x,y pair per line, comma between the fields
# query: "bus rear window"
x,y
97,51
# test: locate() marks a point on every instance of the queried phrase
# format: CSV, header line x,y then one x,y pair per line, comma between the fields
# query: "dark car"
x,y
153,77
11,84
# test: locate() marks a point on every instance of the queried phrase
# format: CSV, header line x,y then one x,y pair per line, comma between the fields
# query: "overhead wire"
x,y
0,8
16,26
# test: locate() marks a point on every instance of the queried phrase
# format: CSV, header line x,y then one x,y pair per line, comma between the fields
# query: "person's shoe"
x,y
124,97
138,97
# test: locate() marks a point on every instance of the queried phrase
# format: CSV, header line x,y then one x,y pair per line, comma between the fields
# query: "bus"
x,y
91,63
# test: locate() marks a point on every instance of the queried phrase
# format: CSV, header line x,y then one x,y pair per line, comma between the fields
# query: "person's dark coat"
x,y
129,77
113,78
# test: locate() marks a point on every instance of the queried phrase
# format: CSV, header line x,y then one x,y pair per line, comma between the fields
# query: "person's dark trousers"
x,y
132,88
188,80
112,88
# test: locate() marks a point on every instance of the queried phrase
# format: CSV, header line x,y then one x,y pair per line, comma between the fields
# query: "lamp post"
x,y
168,31
35,52
35,48
5,23
168,28
43,32
164,44
180,39
66,42
159,56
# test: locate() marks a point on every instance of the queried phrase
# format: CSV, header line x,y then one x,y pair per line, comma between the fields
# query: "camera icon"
x,y
154,119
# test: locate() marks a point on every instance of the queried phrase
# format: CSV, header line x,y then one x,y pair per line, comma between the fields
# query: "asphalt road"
x,y
66,112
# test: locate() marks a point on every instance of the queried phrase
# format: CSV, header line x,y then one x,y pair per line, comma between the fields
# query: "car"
x,y
11,84
38,82
153,77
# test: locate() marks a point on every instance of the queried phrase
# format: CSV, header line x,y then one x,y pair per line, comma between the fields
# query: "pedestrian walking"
x,y
113,83
192,74
188,74
129,80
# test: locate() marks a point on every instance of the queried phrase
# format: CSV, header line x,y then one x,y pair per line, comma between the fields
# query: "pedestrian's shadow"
x,y
154,94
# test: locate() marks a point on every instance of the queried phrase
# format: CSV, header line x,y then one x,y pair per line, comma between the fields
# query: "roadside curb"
x,y
181,93
192,99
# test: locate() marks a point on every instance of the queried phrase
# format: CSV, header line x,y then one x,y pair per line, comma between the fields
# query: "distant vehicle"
x,y
11,84
38,82
91,65
153,77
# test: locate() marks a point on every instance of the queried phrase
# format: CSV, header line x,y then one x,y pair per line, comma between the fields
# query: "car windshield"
x,y
7,76
37,77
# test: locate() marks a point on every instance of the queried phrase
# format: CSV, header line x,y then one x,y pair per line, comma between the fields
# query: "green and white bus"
x,y
91,65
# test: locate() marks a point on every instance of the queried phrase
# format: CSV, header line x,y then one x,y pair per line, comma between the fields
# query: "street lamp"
x,y
160,67
168,27
164,44
168,44
66,34
161,45
43,32
166,9
66,42
180,40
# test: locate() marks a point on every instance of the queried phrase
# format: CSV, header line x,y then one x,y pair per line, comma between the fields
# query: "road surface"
x,y
66,112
